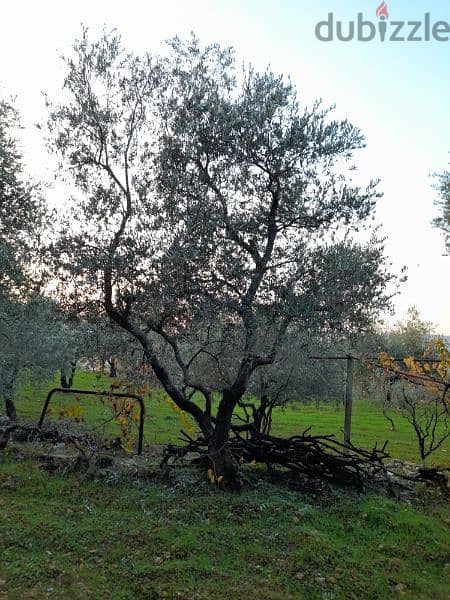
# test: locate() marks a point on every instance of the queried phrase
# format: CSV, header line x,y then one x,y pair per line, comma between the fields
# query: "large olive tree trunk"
x,y
222,460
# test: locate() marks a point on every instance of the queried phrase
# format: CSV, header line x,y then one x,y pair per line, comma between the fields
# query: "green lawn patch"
x,y
62,538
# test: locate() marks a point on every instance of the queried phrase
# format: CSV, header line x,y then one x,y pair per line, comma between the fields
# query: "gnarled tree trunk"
x,y
223,463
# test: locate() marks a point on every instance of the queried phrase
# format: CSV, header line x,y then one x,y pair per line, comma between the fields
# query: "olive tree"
x,y
213,213
111,347
408,337
22,217
22,210
443,204
32,343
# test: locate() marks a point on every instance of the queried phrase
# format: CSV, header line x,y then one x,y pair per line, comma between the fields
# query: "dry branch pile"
x,y
50,434
315,456
28,433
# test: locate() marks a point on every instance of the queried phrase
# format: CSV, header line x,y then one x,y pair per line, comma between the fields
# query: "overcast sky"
x,y
397,93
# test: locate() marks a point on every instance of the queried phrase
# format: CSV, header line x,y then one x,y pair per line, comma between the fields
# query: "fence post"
x,y
348,401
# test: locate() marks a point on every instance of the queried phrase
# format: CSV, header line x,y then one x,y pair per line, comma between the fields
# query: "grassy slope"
x,y
61,538
163,425
64,539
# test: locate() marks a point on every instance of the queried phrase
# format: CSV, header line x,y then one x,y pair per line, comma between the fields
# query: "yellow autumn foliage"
x,y
212,478
184,419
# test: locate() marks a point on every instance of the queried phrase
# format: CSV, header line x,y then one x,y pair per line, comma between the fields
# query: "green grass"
x,y
368,426
68,537
163,424
62,538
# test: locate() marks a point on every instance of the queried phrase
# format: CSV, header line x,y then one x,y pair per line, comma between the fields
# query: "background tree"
x,y
111,348
22,217
443,203
213,209
32,344
295,376
419,389
22,209
78,336
409,337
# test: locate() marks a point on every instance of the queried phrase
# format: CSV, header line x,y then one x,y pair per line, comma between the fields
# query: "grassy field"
x,y
163,424
70,537
65,538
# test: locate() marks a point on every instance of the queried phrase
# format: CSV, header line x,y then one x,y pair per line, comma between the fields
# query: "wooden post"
x,y
348,401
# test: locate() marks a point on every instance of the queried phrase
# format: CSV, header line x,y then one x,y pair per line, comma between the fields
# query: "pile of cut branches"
x,y
319,456
315,456
86,444
29,433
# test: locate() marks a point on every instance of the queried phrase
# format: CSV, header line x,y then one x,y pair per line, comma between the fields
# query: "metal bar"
x,y
104,393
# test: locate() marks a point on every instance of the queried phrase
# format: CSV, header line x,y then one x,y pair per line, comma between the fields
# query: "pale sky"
x,y
397,93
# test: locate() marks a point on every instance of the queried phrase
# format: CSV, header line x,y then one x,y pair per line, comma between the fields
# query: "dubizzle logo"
x,y
384,30
382,11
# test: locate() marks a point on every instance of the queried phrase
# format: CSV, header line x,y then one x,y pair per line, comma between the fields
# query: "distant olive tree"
x,y
408,337
443,204
22,209
214,213
24,331
32,341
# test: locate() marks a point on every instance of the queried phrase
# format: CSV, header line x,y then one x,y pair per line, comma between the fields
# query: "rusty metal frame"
x,y
94,393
